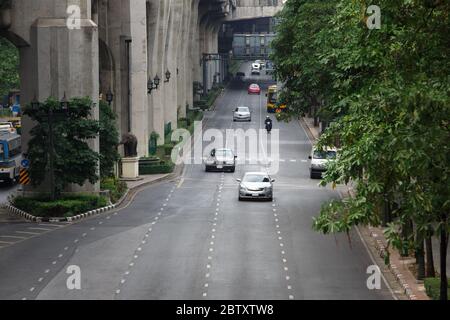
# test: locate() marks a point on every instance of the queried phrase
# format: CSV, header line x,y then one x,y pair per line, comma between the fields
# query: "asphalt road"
x,y
192,239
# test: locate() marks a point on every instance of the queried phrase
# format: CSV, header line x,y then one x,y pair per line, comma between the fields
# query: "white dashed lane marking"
x,y
144,240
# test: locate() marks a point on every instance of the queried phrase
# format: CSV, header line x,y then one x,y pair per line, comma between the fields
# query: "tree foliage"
x,y
388,92
74,161
9,65
109,140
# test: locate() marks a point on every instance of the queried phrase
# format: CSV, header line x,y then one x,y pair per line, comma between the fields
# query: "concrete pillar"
x,y
55,59
138,81
158,18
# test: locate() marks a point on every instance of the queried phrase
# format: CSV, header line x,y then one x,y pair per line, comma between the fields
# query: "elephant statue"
x,y
130,143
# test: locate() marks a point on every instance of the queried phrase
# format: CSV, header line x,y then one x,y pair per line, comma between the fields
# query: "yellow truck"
x,y
272,99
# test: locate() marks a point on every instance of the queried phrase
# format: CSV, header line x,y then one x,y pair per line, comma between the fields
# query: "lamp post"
x,y
168,75
153,84
109,97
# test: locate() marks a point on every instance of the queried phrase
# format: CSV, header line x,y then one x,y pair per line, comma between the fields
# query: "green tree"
x,y
389,94
9,67
73,160
306,82
109,140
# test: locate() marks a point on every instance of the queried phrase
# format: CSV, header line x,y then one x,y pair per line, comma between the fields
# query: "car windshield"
x,y
224,153
273,97
325,154
242,109
256,178
254,86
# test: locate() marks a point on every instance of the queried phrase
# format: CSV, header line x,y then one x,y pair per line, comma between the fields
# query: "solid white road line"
x,y
26,232
14,237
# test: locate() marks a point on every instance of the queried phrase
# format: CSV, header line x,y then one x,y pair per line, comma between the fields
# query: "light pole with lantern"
x,y
168,75
153,84
109,96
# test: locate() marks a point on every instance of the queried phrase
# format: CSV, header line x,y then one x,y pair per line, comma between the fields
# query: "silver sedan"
x,y
242,114
256,185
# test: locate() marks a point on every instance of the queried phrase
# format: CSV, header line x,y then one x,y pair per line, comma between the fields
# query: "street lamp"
x,y
35,104
153,84
109,96
168,74
64,103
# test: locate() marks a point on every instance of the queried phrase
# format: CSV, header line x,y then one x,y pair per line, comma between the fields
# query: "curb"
x,y
32,218
383,252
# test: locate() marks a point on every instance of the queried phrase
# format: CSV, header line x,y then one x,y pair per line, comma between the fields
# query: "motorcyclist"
x,y
268,124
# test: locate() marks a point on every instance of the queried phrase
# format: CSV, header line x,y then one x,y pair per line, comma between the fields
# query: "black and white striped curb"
x,y
178,170
32,218
383,252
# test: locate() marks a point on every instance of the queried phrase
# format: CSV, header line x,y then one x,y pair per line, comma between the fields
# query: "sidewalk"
x,y
149,179
377,243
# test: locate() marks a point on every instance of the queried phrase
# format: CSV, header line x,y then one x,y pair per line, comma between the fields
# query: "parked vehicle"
x,y
10,156
242,114
256,185
254,89
221,160
319,160
7,126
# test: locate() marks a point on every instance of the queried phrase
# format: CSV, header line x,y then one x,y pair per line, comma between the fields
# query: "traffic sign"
x,y
25,163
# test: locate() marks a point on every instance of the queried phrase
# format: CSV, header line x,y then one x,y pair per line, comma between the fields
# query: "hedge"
x,y
162,167
432,287
68,206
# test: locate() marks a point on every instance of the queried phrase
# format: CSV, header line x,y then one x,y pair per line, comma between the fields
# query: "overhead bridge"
x,y
252,9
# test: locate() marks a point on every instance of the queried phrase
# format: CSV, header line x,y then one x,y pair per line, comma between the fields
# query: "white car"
x,y
256,185
319,160
242,114
262,63
221,160
256,69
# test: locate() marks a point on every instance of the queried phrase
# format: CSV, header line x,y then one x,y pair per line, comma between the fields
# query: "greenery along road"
x,y
387,92
9,63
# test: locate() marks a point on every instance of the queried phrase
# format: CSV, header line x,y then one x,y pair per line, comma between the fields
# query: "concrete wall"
x,y
119,46
55,60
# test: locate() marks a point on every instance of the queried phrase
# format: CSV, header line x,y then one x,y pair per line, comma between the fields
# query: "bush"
x,y
116,188
160,168
67,206
432,287
168,149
